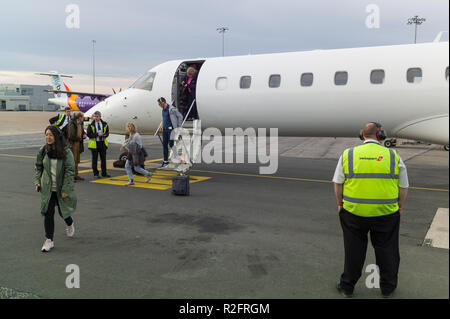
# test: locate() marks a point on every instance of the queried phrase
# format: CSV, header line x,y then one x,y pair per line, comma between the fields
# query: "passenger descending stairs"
x,y
187,146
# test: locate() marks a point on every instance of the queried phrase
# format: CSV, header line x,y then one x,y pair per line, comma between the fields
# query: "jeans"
x,y
167,142
136,168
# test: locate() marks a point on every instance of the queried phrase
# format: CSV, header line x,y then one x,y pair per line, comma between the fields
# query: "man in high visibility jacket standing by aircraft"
x,y
371,185
62,120
98,131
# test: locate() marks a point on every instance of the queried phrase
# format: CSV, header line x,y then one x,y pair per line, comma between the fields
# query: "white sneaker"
x,y
129,183
149,177
70,230
48,244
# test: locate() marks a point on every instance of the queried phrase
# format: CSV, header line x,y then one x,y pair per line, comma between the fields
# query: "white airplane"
x,y
327,93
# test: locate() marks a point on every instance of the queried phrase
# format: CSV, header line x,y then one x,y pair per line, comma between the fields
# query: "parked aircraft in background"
x,y
64,96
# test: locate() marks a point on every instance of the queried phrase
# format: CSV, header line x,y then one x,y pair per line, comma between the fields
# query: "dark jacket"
x,y
72,136
191,86
53,121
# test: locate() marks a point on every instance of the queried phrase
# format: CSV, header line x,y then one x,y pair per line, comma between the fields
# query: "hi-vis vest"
x,y
371,180
93,142
60,119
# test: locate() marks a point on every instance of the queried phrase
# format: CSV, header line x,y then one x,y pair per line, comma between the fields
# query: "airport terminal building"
x,y
23,97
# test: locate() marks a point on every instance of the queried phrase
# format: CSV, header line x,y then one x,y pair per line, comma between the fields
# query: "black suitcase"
x,y
180,185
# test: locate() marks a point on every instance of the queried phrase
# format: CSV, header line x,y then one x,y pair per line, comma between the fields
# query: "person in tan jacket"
x,y
75,137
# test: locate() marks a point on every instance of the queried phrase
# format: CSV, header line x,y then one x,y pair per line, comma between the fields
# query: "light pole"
x,y
223,30
93,62
416,21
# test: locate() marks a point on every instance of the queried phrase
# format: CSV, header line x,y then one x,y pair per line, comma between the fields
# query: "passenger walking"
x,y
98,131
75,137
171,119
54,173
371,186
136,154
62,120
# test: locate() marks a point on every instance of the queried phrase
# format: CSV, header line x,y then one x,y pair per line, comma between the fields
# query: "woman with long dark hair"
x,y
54,179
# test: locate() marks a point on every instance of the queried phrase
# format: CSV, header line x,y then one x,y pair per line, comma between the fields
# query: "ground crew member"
x,y
371,185
98,131
62,120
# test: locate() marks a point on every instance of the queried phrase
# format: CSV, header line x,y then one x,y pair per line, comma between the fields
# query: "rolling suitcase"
x,y
180,185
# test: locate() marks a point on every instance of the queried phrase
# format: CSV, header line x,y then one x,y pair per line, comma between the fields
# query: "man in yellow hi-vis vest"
x,y
62,120
98,131
371,185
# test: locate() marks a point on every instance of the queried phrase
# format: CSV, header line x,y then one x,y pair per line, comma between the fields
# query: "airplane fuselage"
x,y
313,93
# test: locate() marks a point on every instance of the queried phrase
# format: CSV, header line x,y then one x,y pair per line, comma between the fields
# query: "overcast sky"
x,y
133,36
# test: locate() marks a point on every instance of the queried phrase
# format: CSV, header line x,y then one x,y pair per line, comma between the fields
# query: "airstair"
x,y
187,145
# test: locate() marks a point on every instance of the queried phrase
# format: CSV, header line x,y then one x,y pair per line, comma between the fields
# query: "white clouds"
x,y
134,36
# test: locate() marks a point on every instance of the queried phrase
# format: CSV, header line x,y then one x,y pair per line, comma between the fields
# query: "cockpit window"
x,y
145,82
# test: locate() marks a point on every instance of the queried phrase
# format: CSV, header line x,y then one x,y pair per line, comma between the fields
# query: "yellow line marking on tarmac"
x,y
264,176
430,189
300,179
23,156
154,160
230,173
108,167
160,180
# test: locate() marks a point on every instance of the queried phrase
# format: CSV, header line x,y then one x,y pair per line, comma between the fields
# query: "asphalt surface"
x,y
239,234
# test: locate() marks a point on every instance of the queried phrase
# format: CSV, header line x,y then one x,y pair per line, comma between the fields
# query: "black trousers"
x,y
384,235
49,221
101,149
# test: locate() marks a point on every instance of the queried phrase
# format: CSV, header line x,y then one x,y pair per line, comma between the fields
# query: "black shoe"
x,y
96,175
106,175
164,164
346,294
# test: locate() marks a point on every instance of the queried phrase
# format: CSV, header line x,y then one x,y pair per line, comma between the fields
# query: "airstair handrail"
x,y
187,114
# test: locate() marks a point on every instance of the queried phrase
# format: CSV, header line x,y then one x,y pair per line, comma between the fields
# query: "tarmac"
x,y
239,235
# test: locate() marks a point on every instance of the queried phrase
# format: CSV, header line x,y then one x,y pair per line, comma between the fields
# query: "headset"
x,y
381,134
161,100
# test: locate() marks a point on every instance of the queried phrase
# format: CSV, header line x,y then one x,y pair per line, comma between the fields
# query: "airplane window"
x,y
414,75
246,81
446,73
145,82
306,79
274,81
341,78
377,77
221,83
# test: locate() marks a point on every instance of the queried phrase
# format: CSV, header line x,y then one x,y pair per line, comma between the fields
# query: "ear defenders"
x,y
381,134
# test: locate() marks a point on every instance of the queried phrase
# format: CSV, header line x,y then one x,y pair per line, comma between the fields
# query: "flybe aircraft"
x,y
64,96
329,93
